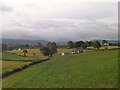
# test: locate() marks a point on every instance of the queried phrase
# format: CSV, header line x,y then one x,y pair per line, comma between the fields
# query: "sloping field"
x,y
62,50
103,48
96,69
30,53
10,56
9,65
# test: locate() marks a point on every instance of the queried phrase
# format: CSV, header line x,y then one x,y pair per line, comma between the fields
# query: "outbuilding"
x,y
77,51
65,53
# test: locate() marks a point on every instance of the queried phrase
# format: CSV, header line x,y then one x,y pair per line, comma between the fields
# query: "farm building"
x,y
65,53
77,51
106,44
19,48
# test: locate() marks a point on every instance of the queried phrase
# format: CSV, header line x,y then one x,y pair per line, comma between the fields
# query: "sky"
x,y
59,20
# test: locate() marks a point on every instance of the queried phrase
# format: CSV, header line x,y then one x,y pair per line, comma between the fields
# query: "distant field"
x,y
30,53
61,50
113,47
97,69
38,54
9,65
109,47
9,56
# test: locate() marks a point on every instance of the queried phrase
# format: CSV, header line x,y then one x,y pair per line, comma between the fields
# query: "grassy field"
x,y
10,56
91,69
61,50
9,65
109,47
37,52
0,66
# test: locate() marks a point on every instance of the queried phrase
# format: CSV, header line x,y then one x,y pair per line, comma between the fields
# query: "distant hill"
x,y
32,42
44,42
20,41
61,43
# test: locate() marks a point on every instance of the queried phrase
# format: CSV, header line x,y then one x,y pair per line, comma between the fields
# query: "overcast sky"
x,y
59,20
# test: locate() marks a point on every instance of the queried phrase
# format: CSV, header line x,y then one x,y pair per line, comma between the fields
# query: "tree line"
x,y
84,45
51,47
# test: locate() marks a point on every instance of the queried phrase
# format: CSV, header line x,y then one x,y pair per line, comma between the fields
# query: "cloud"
x,y
5,8
65,29
61,21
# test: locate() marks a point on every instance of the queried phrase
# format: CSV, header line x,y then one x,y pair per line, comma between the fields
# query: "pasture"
x,y
37,52
10,56
102,48
61,50
9,65
97,69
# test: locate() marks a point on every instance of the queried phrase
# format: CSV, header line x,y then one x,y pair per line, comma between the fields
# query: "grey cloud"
x,y
96,22
66,30
86,11
5,8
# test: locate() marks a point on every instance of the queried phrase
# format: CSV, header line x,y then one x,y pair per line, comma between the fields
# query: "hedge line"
x,y
18,60
8,73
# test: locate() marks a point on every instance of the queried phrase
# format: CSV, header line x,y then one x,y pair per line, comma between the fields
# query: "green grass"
x,y
10,56
61,50
0,66
98,69
102,48
37,52
9,65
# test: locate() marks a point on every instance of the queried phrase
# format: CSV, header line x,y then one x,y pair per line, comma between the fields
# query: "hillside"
x,y
21,41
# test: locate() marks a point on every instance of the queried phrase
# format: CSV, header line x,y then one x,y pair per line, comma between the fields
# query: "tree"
x,y
52,46
105,44
25,51
87,43
97,44
90,43
27,45
45,51
104,41
49,49
79,44
84,46
40,45
4,47
70,44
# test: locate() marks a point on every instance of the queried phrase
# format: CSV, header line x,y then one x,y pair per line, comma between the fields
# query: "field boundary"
x,y
24,60
8,73
18,60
